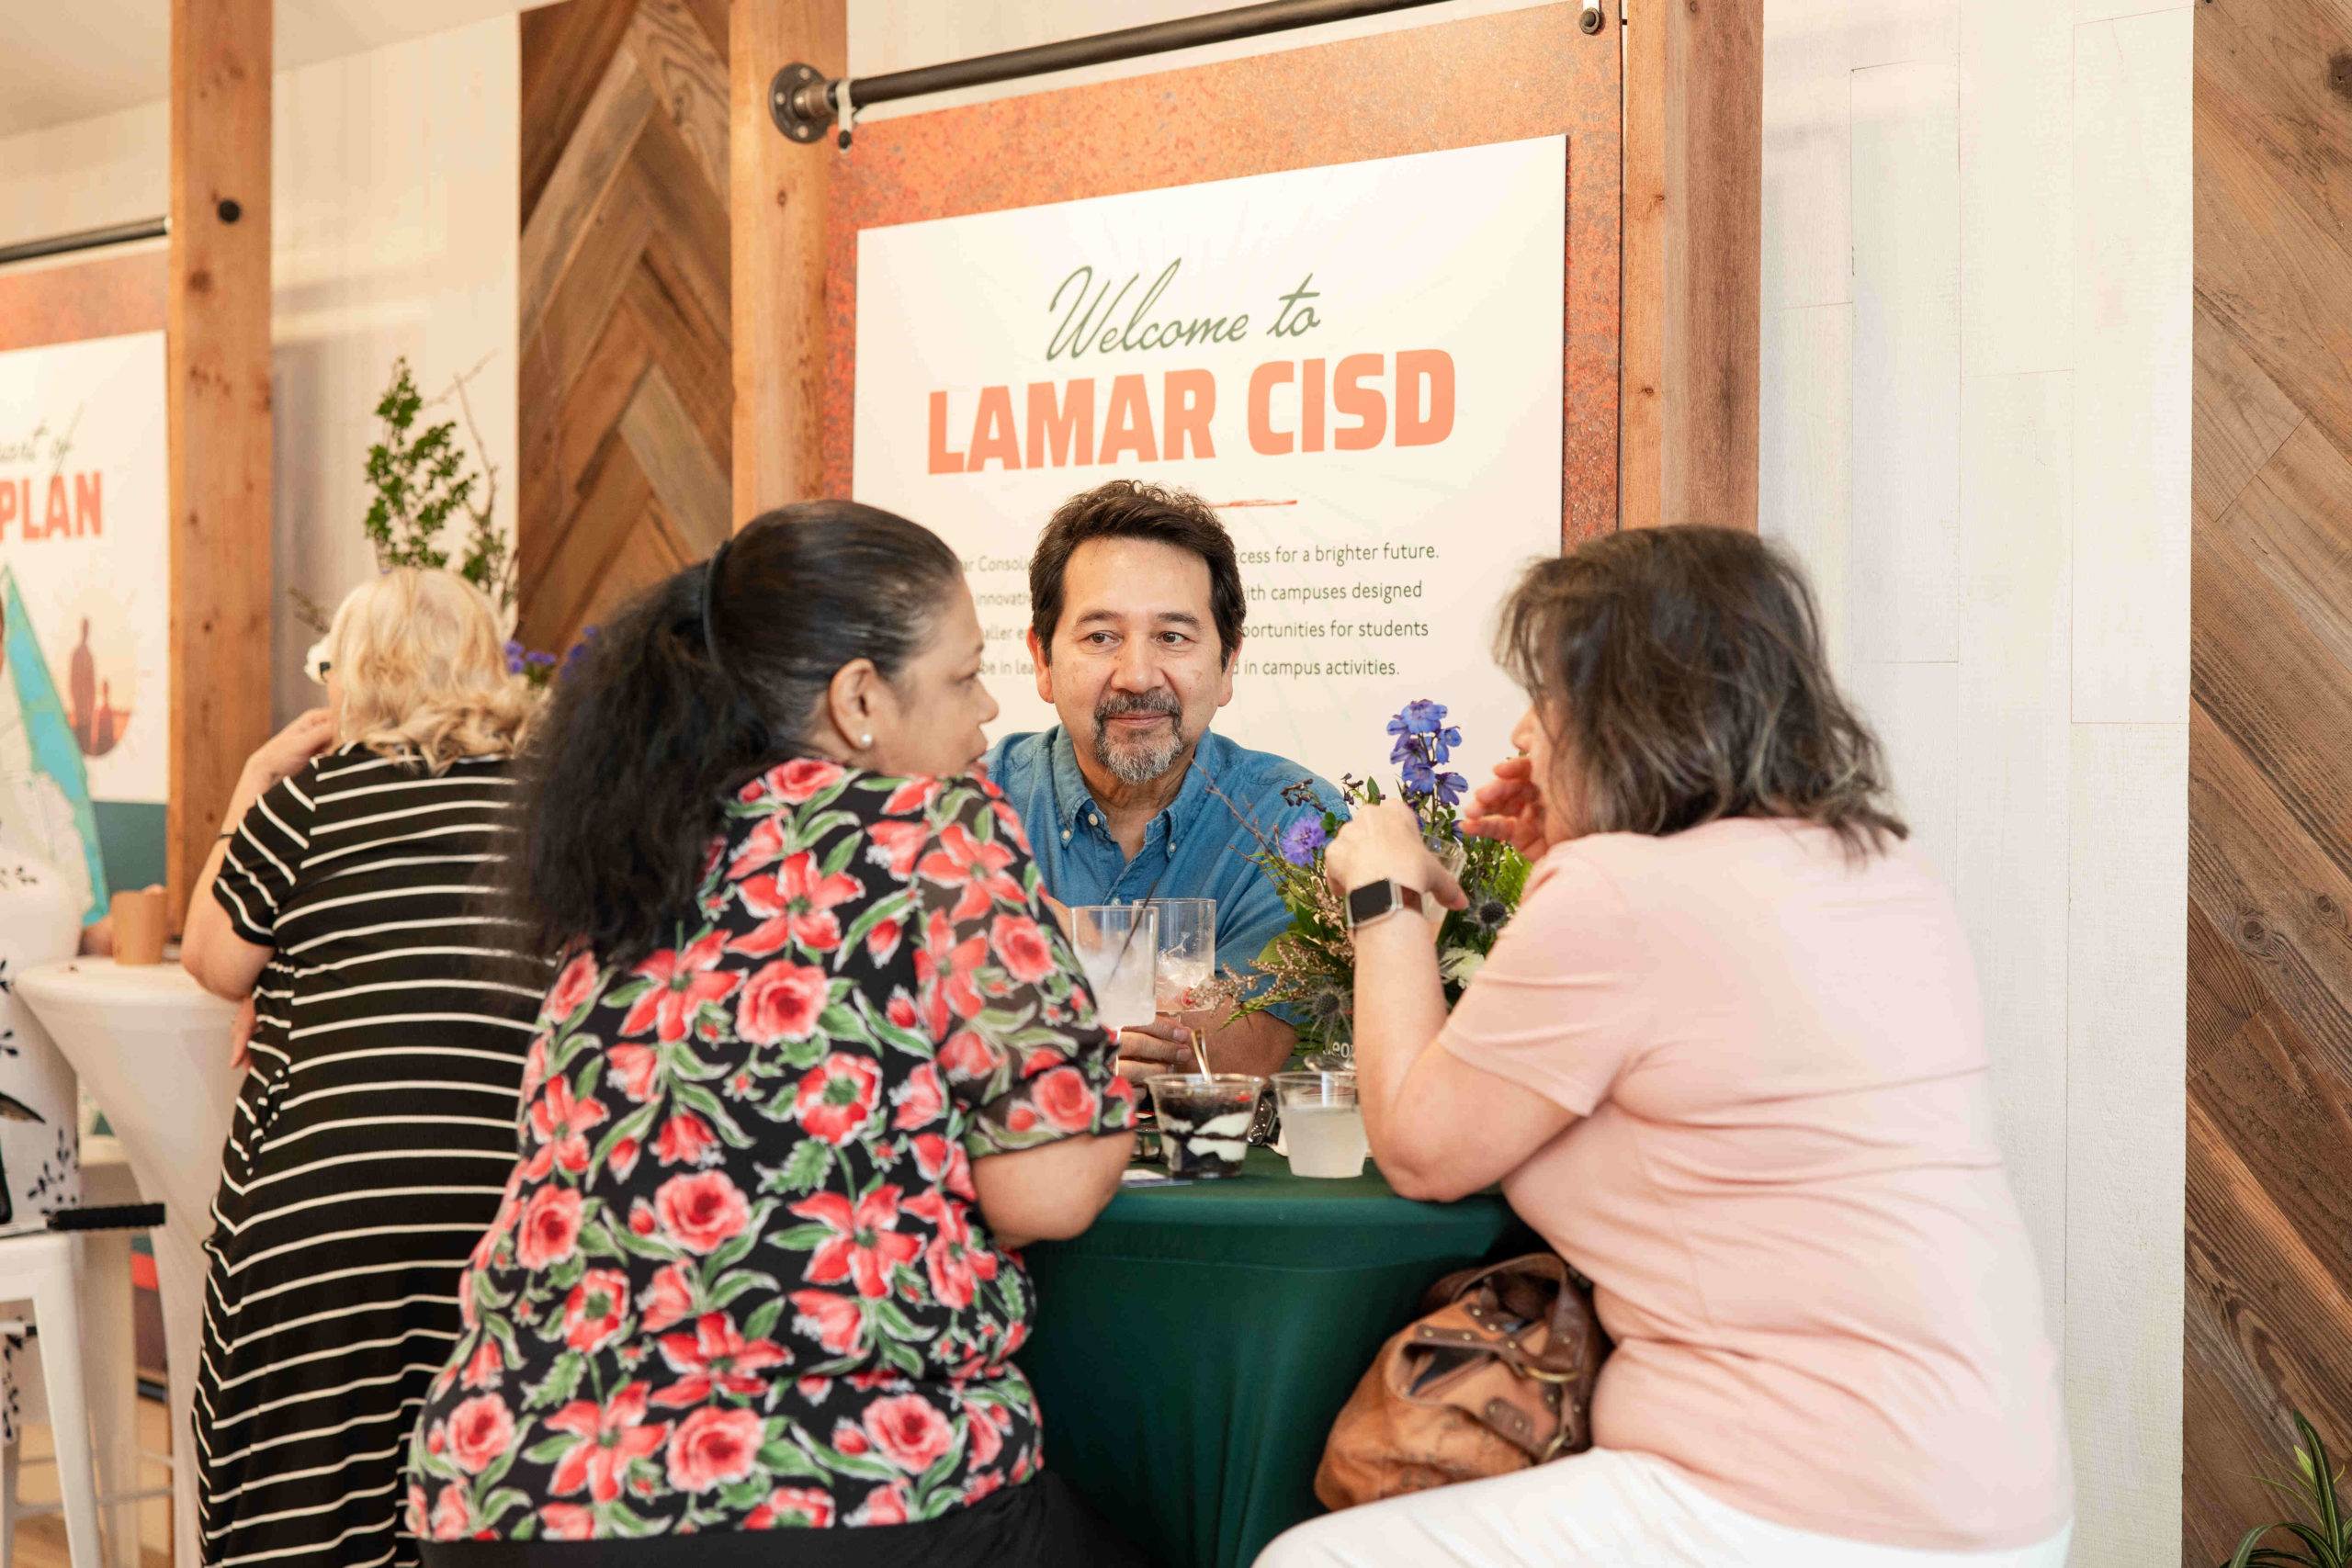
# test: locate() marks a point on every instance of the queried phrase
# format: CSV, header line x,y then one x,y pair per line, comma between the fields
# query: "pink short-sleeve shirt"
x,y
1784,1179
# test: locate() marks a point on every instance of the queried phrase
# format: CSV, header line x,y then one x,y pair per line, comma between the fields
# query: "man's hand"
x,y
1509,807
1163,1045
1259,1044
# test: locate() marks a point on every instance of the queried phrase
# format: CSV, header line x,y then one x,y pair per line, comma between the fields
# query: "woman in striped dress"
x,y
376,1121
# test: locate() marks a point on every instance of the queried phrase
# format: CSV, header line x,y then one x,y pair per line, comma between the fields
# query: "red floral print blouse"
x,y
740,1279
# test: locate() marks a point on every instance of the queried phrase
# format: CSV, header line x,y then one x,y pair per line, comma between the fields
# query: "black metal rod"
x,y
84,240
1159,38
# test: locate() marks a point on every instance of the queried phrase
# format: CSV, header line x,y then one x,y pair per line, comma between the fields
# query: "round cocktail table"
x,y
152,1047
1193,1348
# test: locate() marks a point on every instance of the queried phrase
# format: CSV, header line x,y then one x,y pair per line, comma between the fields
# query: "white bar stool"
x,y
110,1352
44,1267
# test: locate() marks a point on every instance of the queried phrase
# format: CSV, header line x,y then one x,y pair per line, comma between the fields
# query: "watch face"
x,y
1371,901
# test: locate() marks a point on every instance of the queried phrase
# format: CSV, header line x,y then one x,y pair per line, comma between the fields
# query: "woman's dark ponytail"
x,y
703,682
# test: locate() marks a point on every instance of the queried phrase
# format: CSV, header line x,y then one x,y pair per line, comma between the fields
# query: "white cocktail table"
x,y
152,1046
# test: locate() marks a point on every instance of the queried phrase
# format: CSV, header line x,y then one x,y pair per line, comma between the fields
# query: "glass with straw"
x,y
1187,962
1118,946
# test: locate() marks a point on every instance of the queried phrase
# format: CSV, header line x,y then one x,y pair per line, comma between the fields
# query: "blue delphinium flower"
x,y
513,656
1450,787
1420,776
1301,840
1421,716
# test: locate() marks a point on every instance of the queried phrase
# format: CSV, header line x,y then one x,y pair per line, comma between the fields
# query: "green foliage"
x,y
418,481
421,480
2325,1542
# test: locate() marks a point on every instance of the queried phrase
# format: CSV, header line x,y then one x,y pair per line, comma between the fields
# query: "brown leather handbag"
x,y
1495,1377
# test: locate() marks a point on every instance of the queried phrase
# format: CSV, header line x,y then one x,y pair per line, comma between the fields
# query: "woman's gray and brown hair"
x,y
1681,675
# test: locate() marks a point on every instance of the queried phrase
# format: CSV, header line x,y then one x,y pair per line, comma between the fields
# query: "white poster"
x,y
84,591
1359,365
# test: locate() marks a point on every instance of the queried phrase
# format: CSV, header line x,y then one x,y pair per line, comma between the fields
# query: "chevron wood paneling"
x,y
622,302
2269,1146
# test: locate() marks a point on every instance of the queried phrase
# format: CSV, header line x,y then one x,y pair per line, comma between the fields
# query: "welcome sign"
x,y
1359,365
85,599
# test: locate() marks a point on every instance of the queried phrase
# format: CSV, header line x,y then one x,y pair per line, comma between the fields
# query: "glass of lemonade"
x,y
1322,1123
1187,952
1118,946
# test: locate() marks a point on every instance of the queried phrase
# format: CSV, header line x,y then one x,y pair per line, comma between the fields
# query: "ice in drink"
x,y
1178,985
1122,985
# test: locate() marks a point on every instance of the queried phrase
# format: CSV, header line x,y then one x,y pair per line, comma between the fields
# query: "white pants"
x,y
1601,1509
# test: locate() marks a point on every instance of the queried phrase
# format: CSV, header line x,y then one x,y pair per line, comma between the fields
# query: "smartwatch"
x,y
1378,900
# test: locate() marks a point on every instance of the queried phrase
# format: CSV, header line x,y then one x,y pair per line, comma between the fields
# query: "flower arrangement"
x,y
541,670
1311,966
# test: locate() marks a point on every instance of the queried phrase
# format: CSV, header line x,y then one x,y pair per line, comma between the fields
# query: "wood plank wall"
x,y
625,393
2269,1187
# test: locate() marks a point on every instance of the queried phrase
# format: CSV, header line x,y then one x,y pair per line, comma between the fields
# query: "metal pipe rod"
x,y
1157,38
803,102
84,240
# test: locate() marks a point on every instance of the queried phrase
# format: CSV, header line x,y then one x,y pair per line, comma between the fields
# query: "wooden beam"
x,y
217,356
1693,243
778,193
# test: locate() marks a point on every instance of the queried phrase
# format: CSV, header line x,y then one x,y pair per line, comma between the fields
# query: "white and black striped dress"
x,y
371,1142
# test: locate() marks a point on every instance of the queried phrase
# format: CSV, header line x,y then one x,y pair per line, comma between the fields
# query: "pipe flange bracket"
x,y
798,104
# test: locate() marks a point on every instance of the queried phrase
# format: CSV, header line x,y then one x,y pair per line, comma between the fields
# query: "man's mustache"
x,y
1117,705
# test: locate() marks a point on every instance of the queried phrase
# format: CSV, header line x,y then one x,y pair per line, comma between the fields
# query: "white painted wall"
x,y
1976,433
394,180
398,223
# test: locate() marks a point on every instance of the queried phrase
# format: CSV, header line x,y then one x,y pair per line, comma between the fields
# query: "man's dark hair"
x,y
1129,509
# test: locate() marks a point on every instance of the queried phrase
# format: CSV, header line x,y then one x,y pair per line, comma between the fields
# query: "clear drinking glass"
x,y
1205,1121
1322,1123
1187,952
1118,946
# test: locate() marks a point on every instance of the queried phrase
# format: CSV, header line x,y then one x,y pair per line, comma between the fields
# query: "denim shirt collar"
x,y
1072,799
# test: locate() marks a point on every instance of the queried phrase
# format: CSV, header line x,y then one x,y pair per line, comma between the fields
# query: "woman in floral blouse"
x,y
817,1063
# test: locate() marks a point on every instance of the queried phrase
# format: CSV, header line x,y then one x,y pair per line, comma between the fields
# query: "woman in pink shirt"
x,y
1729,1060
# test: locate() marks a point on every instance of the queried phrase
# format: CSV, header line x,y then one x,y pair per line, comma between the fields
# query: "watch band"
x,y
1376,901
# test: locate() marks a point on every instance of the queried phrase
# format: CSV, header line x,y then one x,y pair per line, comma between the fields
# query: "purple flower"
x,y
1450,787
540,660
1420,777
1301,840
1421,716
513,656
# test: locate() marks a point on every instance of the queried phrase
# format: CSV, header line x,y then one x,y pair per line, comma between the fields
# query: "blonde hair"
x,y
424,671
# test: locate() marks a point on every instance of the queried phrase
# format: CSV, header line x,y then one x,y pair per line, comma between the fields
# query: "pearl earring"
x,y
865,739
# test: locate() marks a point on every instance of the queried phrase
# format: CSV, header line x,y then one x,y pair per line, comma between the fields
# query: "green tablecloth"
x,y
1193,1347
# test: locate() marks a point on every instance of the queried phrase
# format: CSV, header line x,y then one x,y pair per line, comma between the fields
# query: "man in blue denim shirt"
x,y
1135,605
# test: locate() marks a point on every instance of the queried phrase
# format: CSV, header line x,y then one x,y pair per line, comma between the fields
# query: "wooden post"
x,y
1693,244
217,356
777,205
